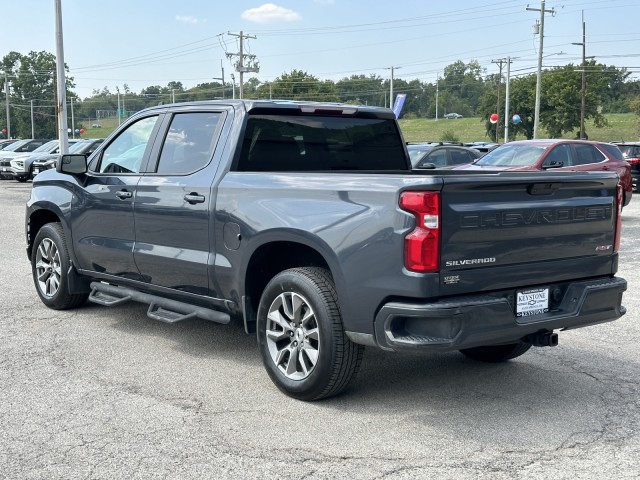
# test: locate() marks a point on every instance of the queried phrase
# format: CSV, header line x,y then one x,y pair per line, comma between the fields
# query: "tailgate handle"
x,y
543,188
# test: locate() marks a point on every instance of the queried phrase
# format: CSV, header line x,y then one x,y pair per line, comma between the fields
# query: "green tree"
x,y
362,89
462,87
560,104
300,85
32,77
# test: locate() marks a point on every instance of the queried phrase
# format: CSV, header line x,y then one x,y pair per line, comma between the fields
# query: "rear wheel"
x,y
50,265
496,353
302,341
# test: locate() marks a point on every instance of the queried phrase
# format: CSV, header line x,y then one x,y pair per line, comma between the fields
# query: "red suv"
x,y
572,155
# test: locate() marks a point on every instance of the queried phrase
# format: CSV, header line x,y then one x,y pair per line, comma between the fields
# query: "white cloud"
x,y
269,13
189,19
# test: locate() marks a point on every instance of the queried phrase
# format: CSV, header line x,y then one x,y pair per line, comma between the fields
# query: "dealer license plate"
x,y
532,302
36,171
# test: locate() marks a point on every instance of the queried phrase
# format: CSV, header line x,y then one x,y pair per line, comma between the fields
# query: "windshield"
x,y
14,146
80,147
416,154
46,146
513,156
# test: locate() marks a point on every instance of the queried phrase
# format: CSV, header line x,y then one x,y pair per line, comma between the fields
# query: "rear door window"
x,y
460,157
189,143
587,155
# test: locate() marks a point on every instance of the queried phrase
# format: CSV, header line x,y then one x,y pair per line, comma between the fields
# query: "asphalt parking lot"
x,y
108,393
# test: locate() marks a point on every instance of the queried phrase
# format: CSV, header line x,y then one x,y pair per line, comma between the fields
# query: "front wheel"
x,y
50,265
302,341
496,353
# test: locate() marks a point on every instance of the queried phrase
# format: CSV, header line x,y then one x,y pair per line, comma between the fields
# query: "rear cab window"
x,y
321,143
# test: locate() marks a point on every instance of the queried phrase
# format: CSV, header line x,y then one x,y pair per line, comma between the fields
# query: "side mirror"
x,y
73,164
426,165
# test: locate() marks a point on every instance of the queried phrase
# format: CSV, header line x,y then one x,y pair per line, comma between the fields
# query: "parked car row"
x,y
81,147
527,155
23,159
561,155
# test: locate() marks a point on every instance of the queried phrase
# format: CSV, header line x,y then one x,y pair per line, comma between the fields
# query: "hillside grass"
x,y
108,125
621,126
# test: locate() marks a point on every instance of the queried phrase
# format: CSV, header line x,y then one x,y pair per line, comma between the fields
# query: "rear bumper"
x,y
477,320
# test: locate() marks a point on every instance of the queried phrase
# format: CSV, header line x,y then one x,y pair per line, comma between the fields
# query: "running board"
x,y
160,308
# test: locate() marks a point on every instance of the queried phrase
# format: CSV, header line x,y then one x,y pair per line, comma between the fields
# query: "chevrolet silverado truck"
x,y
306,222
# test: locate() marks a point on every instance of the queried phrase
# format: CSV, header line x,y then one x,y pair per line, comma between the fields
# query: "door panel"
x,y
103,226
173,210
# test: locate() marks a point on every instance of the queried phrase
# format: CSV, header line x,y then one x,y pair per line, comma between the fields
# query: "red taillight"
x,y
618,233
422,245
633,161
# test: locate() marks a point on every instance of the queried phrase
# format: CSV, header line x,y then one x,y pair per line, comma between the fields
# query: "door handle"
x,y
194,198
122,194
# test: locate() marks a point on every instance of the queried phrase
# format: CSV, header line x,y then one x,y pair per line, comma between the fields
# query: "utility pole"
x,y
173,95
536,118
506,102
500,63
241,68
391,86
6,101
583,93
63,135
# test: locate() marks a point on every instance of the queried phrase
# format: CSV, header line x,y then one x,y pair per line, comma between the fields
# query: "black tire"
x,y
49,266
22,179
303,345
496,353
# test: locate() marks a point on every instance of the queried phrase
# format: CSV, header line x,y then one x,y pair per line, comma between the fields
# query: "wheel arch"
x,y
273,257
36,220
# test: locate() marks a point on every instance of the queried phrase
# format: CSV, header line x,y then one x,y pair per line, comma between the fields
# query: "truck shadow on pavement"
x,y
566,382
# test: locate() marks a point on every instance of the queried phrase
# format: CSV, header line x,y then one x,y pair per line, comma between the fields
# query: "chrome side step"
x,y
160,308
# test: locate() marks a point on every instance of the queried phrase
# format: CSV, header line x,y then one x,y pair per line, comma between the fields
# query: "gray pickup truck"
x,y
306,222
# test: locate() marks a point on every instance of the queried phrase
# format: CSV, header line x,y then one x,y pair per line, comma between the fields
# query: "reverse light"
x,y
422,245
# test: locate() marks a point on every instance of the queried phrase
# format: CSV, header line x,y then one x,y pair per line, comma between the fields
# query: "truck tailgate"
x,y
531,229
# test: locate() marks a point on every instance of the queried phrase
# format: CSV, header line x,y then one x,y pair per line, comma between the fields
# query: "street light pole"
x,y
6,101
506,102
536,118
63,135
583,92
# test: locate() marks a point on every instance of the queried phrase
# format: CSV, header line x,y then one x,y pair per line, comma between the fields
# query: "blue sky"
x,y
151,42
